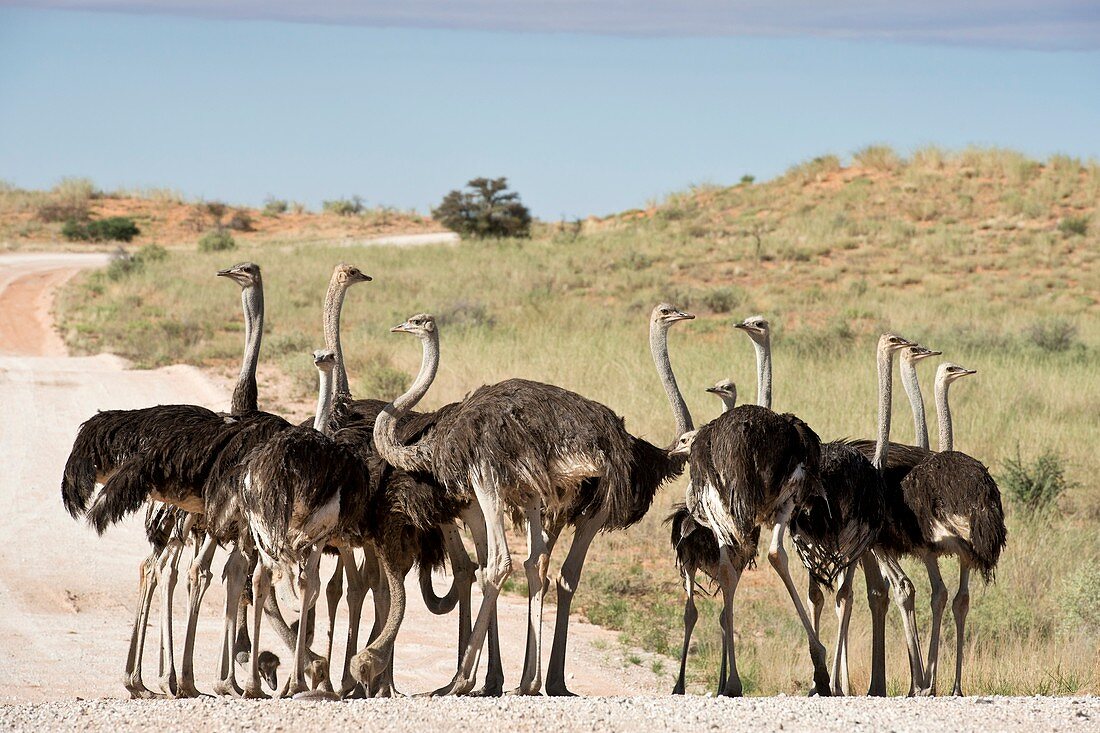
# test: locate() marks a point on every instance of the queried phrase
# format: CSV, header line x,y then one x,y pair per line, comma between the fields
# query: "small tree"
x,y
485,209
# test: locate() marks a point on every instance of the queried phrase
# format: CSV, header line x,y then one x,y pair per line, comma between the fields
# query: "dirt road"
x,y
66,595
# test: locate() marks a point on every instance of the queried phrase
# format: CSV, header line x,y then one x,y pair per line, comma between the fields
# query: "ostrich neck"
x,y
244,394
658,345
916,401
728,403
416,457
885,392
324,401
763,371
943,410
334,303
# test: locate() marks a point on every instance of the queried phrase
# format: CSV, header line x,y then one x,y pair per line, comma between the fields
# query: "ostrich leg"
x,y
494,673
148,585
878,601
309,586
361,578
777,555
729,574
498,567
322,679
261,593
841,685
167,581
959,607
939,603
815,600
568,581
233,575
462,570
904,596
538,558
691,615
368,665
198,581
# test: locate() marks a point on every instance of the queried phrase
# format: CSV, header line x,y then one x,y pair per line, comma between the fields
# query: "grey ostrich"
x,y
546,453
958,507
112,438
833,530
359,414
696,549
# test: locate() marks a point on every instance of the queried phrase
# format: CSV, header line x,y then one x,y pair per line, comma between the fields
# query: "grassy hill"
x,y
983,254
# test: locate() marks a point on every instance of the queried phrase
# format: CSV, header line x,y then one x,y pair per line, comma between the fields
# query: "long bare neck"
x,y
763,371
728,403
916,401
943,411
410,458
885,393
245,393
324,401
658,345
334,303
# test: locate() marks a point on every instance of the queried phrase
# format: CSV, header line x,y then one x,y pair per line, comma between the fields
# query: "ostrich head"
x,y
421,325
665,315
682,447
725,389
269,669
245,274
350,274
916,352
756,327
888,343
324,359
948,372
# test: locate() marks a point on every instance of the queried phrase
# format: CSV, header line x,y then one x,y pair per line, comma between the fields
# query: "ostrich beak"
x,y
401,328
682,316
364,277
713,390
231,272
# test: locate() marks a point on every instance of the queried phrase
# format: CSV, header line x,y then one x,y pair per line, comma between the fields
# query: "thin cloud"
x,y
1049,25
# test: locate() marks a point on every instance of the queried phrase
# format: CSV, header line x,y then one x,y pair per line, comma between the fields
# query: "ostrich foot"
x,y
317,695
558,690
186,689
355,692
227,688
490,689
169,684
138,691
254,693
458,686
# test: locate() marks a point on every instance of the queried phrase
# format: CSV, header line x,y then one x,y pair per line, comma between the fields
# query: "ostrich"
x,y
360,414
908,369
832,531
542,452
696,549
958,507
176,466
110,439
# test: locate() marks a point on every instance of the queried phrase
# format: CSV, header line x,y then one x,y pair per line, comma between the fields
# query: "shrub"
x,y
214,209
218,240
1055,335
486,209
240,221
123,265
274,206
877,157
1071,225
1079,592
54,209
111,229
1034,488
722,300
747,179
465,314
151,253
344,207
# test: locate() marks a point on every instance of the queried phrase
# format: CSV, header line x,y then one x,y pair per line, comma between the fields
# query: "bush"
x,y
1055,335
877,157
722,300
486,209
344,207
151,253
274,207
465,314
111,229
240,221
1071,225
54,210
1034,488
1079,592
218,240
123,265
747,179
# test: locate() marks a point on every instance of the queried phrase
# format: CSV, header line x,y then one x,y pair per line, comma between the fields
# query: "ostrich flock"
x,y
386,489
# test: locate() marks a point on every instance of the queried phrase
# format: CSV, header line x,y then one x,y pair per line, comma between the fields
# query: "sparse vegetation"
x,y
218,240
111,229
1034,487
486,209
344,207
1053,335
1074,225
274,206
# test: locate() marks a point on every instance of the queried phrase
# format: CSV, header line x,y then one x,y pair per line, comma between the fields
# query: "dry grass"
x,y
939,248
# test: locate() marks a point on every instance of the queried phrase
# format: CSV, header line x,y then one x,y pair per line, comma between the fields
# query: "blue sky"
x,y
241,100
